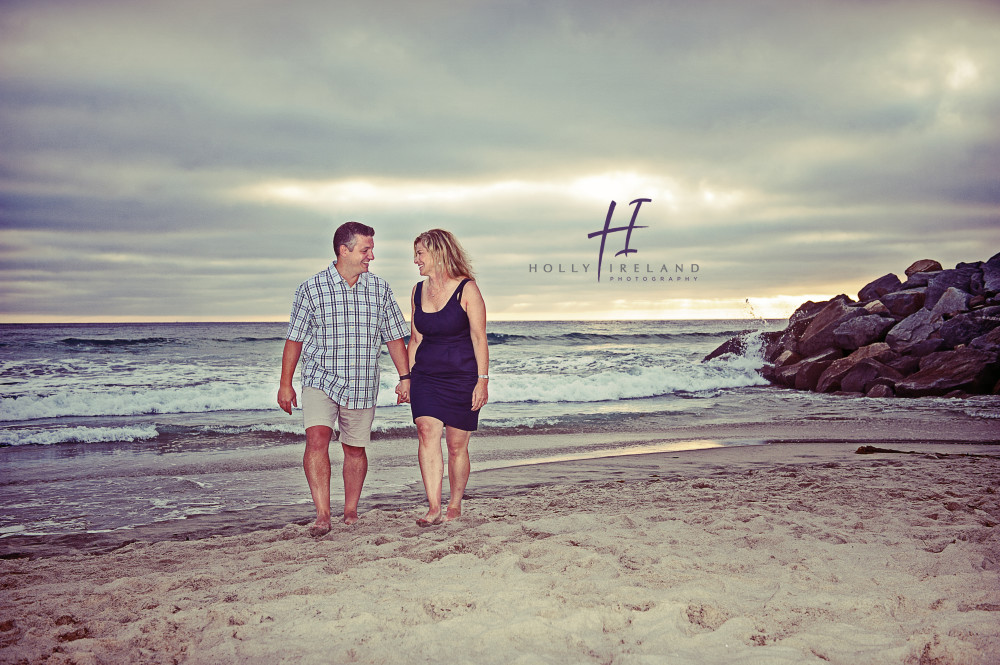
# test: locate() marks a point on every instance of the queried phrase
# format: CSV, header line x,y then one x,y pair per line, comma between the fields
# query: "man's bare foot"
x,y
452,513
430,519
320,527
350,518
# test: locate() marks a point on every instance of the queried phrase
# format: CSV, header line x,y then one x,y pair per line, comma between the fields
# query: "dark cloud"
x,y
790,146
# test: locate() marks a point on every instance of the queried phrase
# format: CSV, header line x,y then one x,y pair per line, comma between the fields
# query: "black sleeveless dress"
x,y
444,372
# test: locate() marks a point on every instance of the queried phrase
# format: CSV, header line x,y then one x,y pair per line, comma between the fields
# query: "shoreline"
x,y
729,444
784,553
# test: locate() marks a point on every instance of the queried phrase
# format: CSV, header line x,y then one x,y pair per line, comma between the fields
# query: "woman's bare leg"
x,y
459,468
429,432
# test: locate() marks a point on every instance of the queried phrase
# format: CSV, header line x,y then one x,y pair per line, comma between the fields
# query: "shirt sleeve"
x,y
298,322
392,325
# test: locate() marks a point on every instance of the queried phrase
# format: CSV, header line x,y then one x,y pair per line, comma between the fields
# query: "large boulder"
x,y
917,280
808,374
779,342
965,327
879,391
738,345
856,379
808,309
876,307
830,379
966,370
786,358
904,303
957,278
990,340
905,365
804,374
734,345
936,334
923,265
951,302
976,280
867,374
788,340
991,276
769,344
809,370
861,331
786,375
887,376
819,334
879,287
913,334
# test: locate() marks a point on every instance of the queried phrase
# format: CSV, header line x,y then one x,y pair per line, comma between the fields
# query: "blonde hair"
x,y
445,249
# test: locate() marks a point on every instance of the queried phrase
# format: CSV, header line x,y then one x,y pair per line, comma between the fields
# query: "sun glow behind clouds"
x,y
327,195
674,309
963,74
924,68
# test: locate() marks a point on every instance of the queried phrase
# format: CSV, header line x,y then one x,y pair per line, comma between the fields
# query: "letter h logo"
x,y
628,236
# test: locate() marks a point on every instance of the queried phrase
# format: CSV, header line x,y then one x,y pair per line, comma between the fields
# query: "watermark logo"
x,y
628,232
620,272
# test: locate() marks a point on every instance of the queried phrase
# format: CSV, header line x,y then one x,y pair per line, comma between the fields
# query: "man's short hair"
x,y
347,234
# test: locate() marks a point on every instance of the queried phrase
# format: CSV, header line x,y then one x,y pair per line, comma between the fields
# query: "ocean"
x,y
106,427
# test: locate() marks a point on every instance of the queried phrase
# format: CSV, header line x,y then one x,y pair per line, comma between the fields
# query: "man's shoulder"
x,y
378,283
319,279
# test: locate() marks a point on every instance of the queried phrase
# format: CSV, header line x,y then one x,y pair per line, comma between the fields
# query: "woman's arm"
x,y
415,336
475,307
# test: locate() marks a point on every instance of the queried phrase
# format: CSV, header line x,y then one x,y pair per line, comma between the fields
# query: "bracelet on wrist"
x,y
404,377
484,376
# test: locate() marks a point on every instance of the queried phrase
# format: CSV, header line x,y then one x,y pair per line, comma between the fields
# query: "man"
x,y
340,319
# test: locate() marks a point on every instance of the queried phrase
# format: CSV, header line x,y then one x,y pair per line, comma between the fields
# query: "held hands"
x,y
403,391
287,399
480,394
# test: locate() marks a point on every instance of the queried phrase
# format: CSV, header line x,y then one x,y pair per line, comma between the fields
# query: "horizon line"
x,y
154,320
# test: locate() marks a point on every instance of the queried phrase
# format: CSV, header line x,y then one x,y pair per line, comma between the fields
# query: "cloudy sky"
x,y
190,160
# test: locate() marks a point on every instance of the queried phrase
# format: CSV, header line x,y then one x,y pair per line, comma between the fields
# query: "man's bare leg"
x,y
459,468
355,470
316,462
431,466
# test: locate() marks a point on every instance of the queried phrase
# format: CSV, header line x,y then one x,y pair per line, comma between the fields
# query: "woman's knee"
x,y
458,443
428,429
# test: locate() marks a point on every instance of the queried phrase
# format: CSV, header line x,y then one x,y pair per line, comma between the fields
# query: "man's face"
x,y
353,262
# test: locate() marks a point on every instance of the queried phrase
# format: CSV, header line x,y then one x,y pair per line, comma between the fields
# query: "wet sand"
x,y
791,552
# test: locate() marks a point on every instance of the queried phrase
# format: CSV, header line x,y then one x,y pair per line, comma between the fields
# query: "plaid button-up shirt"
x,y
342,330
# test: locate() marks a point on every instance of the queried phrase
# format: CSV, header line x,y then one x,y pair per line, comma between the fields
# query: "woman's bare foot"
x,y
350,518
452,513
320,527
430,519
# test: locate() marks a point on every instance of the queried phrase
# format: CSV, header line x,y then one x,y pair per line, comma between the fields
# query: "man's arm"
x,y
289,359
397,351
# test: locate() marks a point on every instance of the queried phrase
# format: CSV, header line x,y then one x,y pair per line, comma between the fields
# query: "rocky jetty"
x,y
935,334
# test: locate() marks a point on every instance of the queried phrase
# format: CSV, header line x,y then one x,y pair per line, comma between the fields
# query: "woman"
x,y
449,366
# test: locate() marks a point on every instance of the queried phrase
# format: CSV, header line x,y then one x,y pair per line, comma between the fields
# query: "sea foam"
x,y
53,435
573,384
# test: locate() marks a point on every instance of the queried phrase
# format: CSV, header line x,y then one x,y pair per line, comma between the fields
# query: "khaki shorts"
x,y
354,425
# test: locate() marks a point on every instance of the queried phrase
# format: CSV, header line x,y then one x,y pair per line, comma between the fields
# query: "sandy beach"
x,y
780,553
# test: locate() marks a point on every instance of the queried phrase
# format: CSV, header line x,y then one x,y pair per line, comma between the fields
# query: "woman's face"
x,y
423,259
